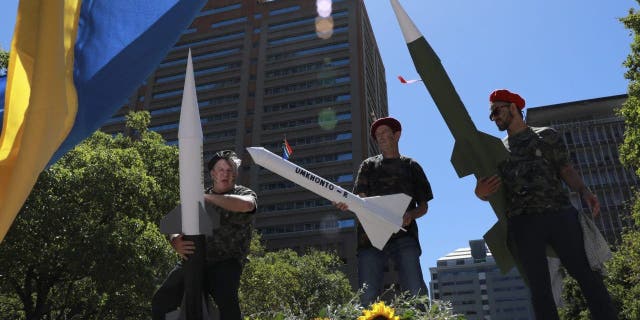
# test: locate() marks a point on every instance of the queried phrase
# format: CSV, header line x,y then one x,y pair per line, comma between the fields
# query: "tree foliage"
x,y
86,244
283,280
624,268
630,111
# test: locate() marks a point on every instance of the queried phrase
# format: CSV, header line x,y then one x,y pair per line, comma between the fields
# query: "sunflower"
x,y
379,312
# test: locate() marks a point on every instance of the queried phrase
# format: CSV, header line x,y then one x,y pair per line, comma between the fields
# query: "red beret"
x,y
388,121
507,96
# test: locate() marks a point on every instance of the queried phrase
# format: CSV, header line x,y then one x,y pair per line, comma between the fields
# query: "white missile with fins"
x,y
380,216
189,217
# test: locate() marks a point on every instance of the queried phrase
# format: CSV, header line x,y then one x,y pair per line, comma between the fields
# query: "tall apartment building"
x,y
269,69
470,279
593,133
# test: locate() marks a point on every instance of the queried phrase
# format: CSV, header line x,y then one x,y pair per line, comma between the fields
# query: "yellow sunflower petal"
x,y
379,310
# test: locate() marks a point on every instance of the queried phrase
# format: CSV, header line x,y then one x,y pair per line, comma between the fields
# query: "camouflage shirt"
x,y
378,176
531,173
233,237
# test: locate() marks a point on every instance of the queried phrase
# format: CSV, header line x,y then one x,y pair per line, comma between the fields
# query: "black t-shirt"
x,y
378,176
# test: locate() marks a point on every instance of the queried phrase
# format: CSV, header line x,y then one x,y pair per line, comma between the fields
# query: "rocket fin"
x,y
172,222
496,239
494,146
206,223
464,162
384,217
378,233
394,205
461,159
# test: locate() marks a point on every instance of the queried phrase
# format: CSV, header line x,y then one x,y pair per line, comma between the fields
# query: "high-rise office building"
x,y
470,279
269,69
593,132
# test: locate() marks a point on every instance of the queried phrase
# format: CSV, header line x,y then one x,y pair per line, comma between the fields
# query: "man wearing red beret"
x,y
539,212
384,174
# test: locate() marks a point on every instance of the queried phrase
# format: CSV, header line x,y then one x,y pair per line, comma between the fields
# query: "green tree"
x,y
86,243
624,279
283,281
630,111
624,276
623,270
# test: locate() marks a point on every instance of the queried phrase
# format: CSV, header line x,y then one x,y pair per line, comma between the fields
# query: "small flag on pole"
x,y
286,149
404,81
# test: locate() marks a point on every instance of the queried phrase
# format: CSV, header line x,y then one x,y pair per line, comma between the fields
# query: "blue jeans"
x,y
530,234
405,252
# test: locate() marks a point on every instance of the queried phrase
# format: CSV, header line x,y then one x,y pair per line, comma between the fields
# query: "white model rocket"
x,y
189,217
380,216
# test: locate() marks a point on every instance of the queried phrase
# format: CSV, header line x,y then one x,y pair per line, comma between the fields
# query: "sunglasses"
x,y
496,111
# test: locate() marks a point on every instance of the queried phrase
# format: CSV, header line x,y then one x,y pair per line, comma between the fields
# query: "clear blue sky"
x,y
548,51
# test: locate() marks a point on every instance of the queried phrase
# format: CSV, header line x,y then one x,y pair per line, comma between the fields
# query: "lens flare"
x,y
324,21
323,8
327,119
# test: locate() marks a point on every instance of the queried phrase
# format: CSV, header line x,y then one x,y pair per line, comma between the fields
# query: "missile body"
x,y
190,218
190,146
195,220
380,216
475,152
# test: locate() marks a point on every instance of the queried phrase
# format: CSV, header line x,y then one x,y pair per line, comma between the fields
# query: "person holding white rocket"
x,y
390,173
227,249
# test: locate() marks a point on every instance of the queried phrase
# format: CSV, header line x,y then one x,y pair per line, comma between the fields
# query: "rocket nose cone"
x,y
255,152
409,30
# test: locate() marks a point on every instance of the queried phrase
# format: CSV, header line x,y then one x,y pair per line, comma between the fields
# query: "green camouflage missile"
x,y
475,152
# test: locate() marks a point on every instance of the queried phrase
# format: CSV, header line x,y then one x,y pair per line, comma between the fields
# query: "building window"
x,y
220,134
301,227
217,84
219,117
343,116
189,31
203,71
307,102
225,37
172,109
304,52
166,94
221,9
344,156
305,85
309,67
302,204
284,10
164,127
347,223
200,57
307,36
310,21
228,22
222,100
116,119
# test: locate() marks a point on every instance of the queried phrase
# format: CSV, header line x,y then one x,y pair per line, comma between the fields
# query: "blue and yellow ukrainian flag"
x,y
72,64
